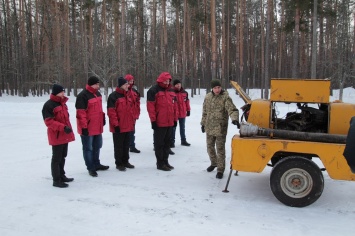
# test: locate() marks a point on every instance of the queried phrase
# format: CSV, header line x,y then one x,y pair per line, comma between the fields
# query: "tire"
x,y
296,181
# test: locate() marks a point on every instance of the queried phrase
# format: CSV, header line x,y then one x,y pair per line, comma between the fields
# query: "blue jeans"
x,y
182,131
91,150
132,138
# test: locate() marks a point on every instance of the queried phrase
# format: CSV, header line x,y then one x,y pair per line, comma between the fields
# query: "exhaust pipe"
x,y
250,130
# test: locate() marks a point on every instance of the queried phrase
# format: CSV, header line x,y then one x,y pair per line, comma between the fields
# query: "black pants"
x,y
162,138
121,147
349,151
59,153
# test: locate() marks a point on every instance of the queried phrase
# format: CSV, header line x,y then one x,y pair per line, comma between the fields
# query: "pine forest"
x,y
249,41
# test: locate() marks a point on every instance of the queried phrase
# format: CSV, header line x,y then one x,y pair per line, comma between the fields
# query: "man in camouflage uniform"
x,y
217,106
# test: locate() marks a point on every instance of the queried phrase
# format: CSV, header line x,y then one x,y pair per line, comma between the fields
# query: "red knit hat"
x,y
129,77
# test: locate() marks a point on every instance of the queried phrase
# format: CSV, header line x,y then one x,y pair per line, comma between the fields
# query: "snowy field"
x,y
146,201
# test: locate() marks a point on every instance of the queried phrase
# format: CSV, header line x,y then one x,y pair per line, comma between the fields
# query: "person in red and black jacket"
x,y
136,100
163,114
59,131
184,109
122,119
90,120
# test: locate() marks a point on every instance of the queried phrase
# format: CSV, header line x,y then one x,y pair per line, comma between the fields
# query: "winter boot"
x,y
129,165
121,168
66,179
93,173
219,175
169,166
210,168
163,167
60,184
171,152
102,167
184,143
134,149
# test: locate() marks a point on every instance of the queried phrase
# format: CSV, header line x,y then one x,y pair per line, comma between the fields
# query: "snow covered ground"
x,y
146,201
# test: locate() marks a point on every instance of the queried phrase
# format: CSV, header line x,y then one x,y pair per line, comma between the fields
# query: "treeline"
x,y
250,41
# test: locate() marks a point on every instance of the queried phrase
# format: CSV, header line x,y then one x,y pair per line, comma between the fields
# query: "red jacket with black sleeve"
x,y
56,117
120,111
89,113
161,106
183,102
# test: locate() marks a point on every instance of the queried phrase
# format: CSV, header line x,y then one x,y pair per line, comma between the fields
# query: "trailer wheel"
x,y
296,181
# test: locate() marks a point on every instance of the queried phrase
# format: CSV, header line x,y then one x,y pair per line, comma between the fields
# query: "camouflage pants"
x,y
217,158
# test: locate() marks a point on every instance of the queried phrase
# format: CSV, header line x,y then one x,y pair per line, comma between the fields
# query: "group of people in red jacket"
x,y
166,107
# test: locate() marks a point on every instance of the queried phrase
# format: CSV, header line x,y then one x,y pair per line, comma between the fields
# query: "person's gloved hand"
x,y
175,123
67,130
85,132
203,129
104,121
235,122
117,130
188,113
154,125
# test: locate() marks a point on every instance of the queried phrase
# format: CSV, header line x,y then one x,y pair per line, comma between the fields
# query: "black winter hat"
x,y
176,81
57,89
121,81
93,80
215,82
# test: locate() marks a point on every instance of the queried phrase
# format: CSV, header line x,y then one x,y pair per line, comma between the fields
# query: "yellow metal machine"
x,y
316,128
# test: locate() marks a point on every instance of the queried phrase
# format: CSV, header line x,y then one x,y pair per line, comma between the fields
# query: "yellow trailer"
x,y
316,128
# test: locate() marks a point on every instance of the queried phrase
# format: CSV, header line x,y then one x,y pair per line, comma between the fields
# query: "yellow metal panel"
x,y
300,90
339,118
245,155
259,113
253,154
241,92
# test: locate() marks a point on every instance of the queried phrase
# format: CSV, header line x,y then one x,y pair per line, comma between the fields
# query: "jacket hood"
x,y
58,99
91,89
163,77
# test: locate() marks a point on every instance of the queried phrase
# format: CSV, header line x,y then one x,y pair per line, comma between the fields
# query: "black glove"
x,y
188,113
104,121
235,122
203,129
175,123
117,129
67,130
154,125
85,132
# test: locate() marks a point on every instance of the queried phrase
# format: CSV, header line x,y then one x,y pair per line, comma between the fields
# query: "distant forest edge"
x,y
249,41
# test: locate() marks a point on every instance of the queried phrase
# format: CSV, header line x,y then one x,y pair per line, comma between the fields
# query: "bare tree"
x,y
213,39
267,47
295,54
47,41
314,41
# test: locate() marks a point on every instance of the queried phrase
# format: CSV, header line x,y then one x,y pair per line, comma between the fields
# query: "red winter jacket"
x,y
161,105
120,111
89,113
136,100
183,102
56,117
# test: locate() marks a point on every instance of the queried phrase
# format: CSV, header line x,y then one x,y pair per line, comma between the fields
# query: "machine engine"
x,y
305,119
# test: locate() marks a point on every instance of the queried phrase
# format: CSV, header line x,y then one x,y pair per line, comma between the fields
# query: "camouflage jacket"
x,y
216,109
